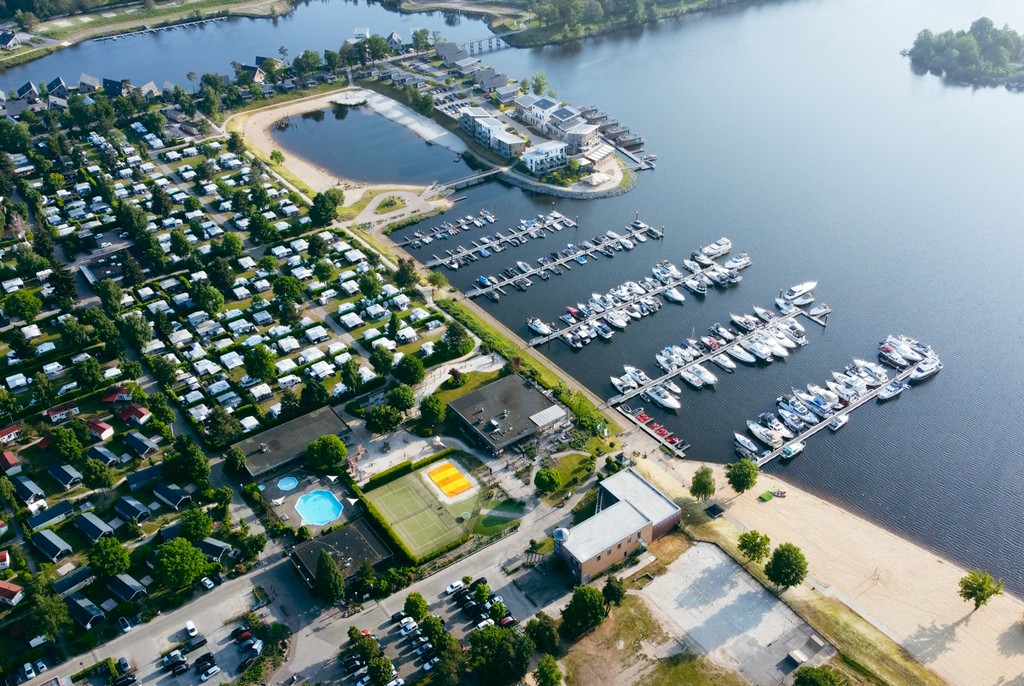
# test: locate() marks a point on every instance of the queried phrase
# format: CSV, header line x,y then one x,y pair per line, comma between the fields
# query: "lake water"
x,y
798,130
357,143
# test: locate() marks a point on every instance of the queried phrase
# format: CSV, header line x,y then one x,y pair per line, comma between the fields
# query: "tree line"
x,y
982,54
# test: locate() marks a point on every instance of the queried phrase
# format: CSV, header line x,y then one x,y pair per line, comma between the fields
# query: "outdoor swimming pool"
x,y
288,483
318,508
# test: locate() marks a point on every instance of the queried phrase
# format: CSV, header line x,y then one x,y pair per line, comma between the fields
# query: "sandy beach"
x,y
255,127
905,590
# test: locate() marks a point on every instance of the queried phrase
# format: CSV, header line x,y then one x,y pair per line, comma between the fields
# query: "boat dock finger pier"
x,y
871,394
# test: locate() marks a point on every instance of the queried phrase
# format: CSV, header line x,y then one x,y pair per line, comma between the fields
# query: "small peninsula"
x,y
983,55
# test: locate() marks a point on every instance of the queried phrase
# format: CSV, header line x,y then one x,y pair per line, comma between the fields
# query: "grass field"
x,y
422,522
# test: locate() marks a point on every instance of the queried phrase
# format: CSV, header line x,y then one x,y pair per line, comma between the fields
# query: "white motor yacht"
x,y
800,289
637,375
538,327
724,362
926,369
704,374
623,383
663,398
674,295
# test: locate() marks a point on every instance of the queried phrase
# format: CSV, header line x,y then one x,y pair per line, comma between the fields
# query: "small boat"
x,y
695,286
582,259
692,266
779,494
888,354
672,386
796,406
701,259
538,327
757,349
637,375
765,315
740,261
603,330
484,252
567,318
623,383
770,421
724,362
844,392
927,369
704,374
839,422
891,390
820,310
674,295
765,435
791,450
745,443
832,398
745,322
924,349
689,377
791,419
493,295
800,289
904,349
616,319
722,332
666,362
664,398
738,353
785,306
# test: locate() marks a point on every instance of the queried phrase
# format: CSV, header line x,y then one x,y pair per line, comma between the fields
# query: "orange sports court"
x,y
449,479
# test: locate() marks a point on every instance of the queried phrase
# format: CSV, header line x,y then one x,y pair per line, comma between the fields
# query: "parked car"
x,y
245,645
409,628
453,587
406,621
397,682
125,680
243,637
28,671
430,664
471,607
205,581
123,666
190,628
487,622
424,649
180,669
210,673
479,582
257,647
418,641
204,660
399,616
246,663
509,621
352,668
238,631
123,623
173,658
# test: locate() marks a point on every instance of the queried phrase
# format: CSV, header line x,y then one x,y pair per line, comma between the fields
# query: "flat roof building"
x,y
287,442
350,546
506,411
630,514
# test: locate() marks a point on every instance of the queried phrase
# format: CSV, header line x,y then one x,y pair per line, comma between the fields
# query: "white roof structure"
x,y
603,530
628,485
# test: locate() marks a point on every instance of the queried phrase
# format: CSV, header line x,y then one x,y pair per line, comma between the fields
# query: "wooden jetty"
x,y
564,260
676,449
871,394
520,234
442,232
623,397
539,340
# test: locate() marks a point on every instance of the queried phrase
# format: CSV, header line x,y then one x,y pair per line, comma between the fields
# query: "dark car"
x,y
419,640
465,600
123,666
125,680
180,669
471,608
353,667
238,631
479,582
246,644
398,616
246,663
217,579
205,660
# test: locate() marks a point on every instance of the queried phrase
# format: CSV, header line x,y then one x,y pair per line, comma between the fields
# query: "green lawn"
x,y
474,380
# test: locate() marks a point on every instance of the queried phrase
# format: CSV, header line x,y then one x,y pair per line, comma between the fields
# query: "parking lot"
x,y
401,649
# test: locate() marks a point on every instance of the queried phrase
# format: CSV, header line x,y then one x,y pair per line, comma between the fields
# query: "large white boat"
x,y
766,436
674,295
663,398
623,383
799,290
637,375
927,369
538,327
718,248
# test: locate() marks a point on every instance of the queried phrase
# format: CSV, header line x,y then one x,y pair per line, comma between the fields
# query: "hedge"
x,y
389,475
386,528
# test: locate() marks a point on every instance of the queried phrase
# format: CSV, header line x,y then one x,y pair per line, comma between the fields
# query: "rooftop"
x,y
604,530
286,442
630,486
349,546
506,410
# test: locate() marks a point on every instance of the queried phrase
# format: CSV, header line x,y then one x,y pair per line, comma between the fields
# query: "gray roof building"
x,y
27,490
506,411
52,546
131,509
73,581
66,475
92,526
172,495
84,611
126,588
51,516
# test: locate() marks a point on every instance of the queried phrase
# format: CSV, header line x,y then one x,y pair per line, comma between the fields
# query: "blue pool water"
x,y
318,508
288,483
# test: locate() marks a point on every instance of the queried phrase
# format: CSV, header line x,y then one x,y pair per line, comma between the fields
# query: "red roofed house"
x,y
135,413
100,430
10,594
117,394
63,412
10,434
9,463
5,557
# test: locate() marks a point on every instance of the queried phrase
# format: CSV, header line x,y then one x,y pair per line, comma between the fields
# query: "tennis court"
x,y
419,519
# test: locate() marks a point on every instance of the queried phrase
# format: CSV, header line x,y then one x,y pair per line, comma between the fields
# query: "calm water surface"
x,y
796,129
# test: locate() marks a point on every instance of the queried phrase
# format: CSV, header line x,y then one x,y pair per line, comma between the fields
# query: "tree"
x,y
259,362
703,485
497,612
288,288
74,335
324,271
456,341
24,305
614,590
208,298
787,566
817,676
585,611
132,271
382,359
540,83
7,490
394,323
742,475
437,279
370,285
547,480
754,545
188,460
481,593
195,524
330,582
165,371
136,329
979,587
432,410
406,276
416,606
401,398
350,373
420,40
379,671
324,209
50,615
109,557
97,474
277,157
88,373
234,460
499,656
65,445
548,673
179,564
541,630
382,419
409,370
222,426
110,295
42,389
431,626
326,453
